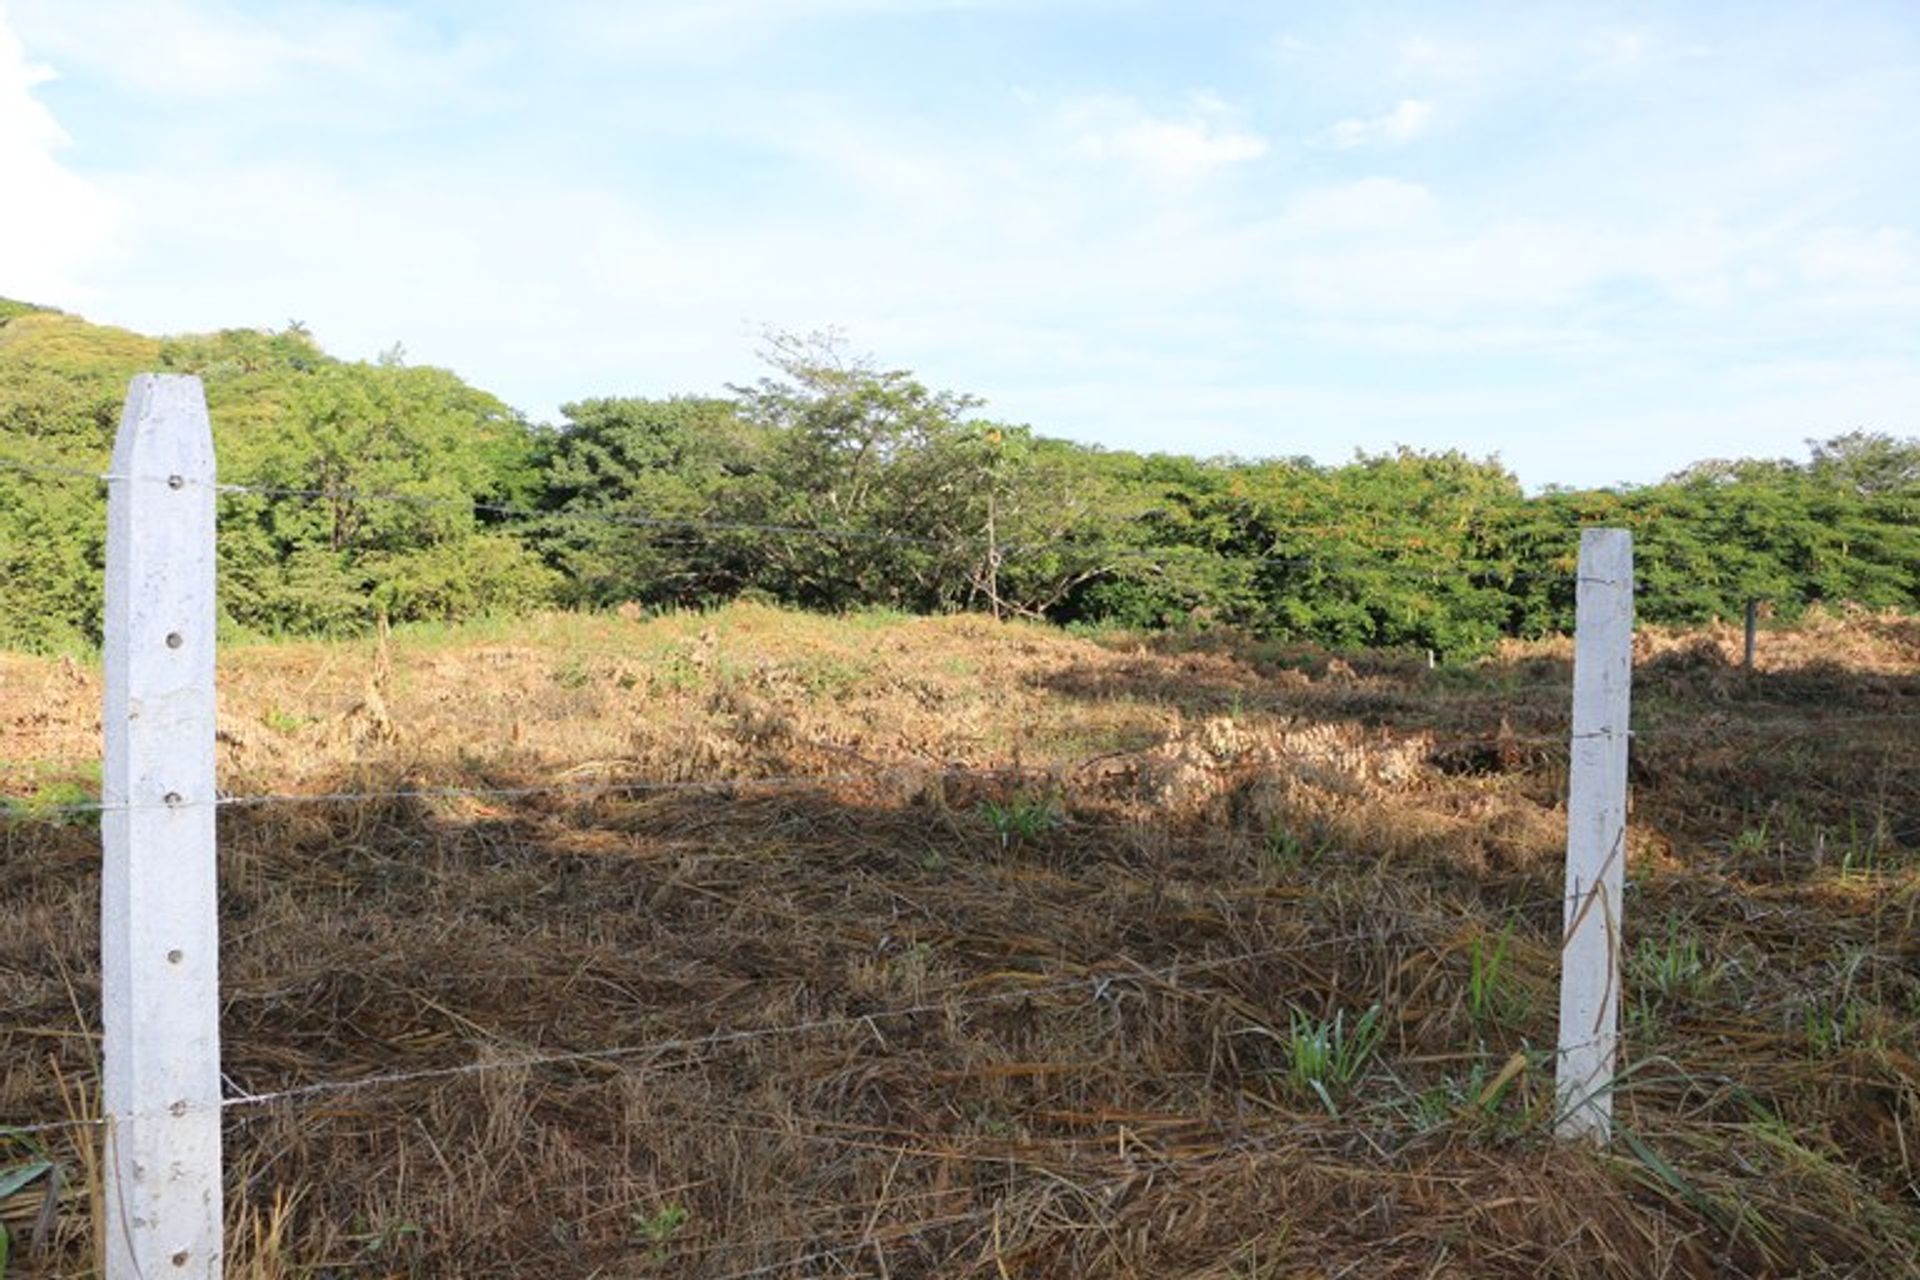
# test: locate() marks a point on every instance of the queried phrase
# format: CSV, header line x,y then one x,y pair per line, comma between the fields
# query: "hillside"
x,y
357,491
762,943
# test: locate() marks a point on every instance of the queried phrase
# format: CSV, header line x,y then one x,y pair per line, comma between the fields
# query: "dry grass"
x,y
994,958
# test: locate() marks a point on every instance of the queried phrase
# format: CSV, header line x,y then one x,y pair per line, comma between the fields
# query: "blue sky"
x,y
1599,240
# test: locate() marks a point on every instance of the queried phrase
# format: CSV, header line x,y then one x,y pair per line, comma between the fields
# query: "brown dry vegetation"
x,y
990,951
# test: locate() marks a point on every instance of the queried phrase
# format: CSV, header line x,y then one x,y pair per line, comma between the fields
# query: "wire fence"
x,y
1385,564
1757,735
1496,573
671,1052
1098,983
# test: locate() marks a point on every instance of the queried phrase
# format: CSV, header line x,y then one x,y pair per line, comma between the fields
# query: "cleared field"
x,y
762,944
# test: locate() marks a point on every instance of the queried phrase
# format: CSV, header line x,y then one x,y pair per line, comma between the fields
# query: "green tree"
x,y
629,488
884,480
369,494
62,382
1868,464
833,482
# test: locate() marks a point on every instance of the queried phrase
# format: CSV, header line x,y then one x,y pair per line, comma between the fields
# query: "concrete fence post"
x,y
159,933
1590,954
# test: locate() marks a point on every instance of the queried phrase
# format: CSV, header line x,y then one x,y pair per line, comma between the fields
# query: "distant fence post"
x,y
159,929
1590,959
1753,634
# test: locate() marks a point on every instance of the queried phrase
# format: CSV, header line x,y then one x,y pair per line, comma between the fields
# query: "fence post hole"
x,y
158,927
1753,634
1590,953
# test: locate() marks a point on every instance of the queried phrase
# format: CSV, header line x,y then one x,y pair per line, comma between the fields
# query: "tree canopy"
x,y
364,489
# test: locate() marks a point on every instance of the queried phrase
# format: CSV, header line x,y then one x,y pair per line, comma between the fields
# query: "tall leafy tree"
x,y
886,477
371,494
835,482
631,489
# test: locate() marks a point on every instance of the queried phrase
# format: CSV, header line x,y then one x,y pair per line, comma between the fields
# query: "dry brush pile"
x,y
756,944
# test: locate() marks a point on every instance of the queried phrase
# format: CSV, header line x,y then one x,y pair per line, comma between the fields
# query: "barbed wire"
x,y
975,544
1431,740
337,1087
1381,564
53,470
1496,575
1441,732
1252,707
533,791
1019,549
1098,986
1441,686
698,1049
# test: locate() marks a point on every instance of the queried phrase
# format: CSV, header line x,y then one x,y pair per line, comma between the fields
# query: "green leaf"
x,y
11,1180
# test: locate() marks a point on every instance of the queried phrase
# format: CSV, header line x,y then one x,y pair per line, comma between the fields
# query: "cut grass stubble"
x,y
1019,983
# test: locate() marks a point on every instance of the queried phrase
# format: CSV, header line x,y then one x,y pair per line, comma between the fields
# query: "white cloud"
x,y
52,222
646,184
1442,60
1857,256
1369,206
1409,120
191,50
1535,263
165,47
1861,274
720,30
1166,149
1617,50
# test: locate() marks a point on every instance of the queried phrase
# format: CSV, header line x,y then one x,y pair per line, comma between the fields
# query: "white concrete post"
x,y
1590,958
159,935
